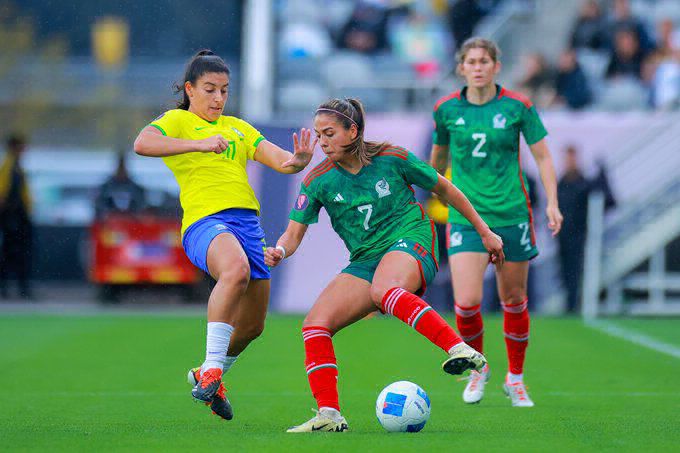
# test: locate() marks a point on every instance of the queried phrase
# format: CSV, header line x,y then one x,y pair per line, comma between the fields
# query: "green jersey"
x,y
485,160
373,209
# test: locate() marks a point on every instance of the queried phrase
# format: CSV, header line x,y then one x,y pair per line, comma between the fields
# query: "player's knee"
x,y
379,289
468,301
377,292
515,297
237,276
318,321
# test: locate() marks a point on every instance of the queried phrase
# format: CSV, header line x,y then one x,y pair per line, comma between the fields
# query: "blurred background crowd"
x,y
79,79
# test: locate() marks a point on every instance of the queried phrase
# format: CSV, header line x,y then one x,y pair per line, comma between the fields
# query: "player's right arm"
x,y
439,158
152,143
287,244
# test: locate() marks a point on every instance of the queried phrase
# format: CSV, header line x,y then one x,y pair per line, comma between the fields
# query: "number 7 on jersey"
x,y
368,208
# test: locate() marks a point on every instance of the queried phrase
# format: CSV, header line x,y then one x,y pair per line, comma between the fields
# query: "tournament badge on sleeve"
x,y
302,202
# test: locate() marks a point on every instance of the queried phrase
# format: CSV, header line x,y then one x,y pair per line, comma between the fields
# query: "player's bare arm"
x,y
152,143
287,244
284,161
546,169
439,158
454,197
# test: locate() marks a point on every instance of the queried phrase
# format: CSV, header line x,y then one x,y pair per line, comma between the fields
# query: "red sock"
x,y
516,331
322,369
415,312
471,325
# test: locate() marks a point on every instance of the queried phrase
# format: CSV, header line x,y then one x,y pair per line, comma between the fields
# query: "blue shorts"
x,y
244,224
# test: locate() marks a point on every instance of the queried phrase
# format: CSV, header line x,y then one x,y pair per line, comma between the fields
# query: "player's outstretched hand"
x,y
494,245
554,219
215,144
303,150
273,256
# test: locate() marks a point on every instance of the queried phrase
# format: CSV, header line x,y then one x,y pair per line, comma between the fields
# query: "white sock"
x,y
229,362
514,378
217,343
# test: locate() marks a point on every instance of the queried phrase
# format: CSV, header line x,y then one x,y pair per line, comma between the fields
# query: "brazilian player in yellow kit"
x,y
221,234
365,187
479,129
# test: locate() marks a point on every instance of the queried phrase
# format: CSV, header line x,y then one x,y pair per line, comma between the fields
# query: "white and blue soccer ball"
x,y
403,407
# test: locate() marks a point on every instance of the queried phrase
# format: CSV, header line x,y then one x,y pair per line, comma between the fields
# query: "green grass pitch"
x,y
118,383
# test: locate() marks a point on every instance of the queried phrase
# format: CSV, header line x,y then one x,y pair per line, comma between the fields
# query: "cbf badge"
x,y
302,202
383,188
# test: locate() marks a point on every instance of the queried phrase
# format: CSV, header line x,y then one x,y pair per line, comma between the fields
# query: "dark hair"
x,y
15,141
203,62
348,112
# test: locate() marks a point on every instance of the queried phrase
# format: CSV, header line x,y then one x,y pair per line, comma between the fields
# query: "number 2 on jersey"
x,y
368,208
477,152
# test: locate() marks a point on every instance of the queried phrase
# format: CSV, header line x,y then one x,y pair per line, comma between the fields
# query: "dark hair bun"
x,y
205,52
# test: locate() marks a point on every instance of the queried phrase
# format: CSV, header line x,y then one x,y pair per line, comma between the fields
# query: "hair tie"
x,y
338,113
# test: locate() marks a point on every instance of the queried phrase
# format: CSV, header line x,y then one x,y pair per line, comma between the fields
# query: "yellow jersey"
x,y
210,182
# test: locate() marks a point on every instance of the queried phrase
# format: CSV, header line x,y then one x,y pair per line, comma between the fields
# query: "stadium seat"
x,y
623,94
301,96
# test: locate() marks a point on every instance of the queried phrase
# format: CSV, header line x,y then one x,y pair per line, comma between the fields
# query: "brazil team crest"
x,y
383,188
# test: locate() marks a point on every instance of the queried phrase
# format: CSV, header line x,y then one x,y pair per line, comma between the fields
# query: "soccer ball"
x,y
403,407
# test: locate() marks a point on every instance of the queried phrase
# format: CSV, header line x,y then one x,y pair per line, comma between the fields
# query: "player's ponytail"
x,y
350,112
203,62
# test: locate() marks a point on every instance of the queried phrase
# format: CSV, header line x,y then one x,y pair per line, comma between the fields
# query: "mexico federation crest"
x,y
499,121
302,202
383,188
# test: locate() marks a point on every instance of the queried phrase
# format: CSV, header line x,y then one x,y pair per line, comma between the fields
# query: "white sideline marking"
x,y
634,337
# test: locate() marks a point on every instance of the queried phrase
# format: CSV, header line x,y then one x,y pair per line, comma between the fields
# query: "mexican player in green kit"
x,y
479,128
365,188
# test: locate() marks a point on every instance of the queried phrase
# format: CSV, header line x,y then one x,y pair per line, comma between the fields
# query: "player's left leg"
x,y
512,291
249,324
398,276
344,301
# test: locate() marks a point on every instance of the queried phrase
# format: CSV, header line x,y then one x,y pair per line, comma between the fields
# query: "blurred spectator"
x,y
464,15
589,28
120,194
300,40
627,58
668,38
571,84
420,42
623,19
573,190
16,227
538,82
661,70
366,29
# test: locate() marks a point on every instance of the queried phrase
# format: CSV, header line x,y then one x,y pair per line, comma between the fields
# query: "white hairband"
x,y
339,113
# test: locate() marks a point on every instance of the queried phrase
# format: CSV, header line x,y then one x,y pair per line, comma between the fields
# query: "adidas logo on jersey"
x,y
460,122
402,244
338,198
